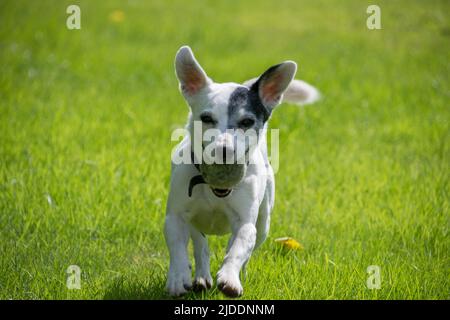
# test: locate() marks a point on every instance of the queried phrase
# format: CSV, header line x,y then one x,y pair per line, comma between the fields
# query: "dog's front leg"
x,y
176,232
203,279
239,250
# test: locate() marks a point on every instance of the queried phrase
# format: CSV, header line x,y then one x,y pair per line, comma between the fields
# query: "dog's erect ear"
x,y
189,72
273,83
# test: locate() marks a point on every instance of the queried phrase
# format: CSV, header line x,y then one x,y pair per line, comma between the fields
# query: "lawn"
x,y
86,118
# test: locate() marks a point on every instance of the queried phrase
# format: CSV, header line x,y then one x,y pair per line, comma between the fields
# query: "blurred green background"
x,y
86,117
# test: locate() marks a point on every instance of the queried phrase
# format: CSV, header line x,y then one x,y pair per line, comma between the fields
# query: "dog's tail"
x,y
298,92
301,93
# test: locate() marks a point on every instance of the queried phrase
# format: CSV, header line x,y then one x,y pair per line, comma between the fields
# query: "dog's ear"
x,y
190,74
271,85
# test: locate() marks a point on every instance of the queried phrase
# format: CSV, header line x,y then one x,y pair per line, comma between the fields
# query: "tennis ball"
x,y
223,176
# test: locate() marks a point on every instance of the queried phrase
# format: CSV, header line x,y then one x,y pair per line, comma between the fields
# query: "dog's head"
x,y
230,108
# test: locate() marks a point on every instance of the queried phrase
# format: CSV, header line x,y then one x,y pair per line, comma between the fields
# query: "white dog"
x,y
221,198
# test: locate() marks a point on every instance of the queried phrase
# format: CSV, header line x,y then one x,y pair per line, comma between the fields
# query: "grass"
x,y
86,117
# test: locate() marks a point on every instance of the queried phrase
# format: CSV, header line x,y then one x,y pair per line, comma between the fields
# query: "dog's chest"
x,y
210,215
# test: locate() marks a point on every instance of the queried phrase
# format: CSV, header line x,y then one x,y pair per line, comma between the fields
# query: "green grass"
x,y
86,118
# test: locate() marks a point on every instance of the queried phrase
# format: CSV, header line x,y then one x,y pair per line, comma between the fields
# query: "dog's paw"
x,y
228,282
202,283
178,282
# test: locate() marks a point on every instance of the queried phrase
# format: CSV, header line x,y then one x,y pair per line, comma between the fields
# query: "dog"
x,y
210,200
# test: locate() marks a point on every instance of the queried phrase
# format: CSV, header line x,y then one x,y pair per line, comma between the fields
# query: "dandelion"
x,y
117,16
289,243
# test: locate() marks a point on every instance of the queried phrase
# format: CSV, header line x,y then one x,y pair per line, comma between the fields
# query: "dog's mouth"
x,y
221,193
220,178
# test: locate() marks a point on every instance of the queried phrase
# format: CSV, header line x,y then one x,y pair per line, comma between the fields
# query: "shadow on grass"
x,y
123,288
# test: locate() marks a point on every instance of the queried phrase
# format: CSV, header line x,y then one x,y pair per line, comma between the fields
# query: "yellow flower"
x,y
117,16
289,243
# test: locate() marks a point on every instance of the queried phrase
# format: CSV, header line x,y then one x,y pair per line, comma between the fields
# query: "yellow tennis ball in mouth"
x,y
223,176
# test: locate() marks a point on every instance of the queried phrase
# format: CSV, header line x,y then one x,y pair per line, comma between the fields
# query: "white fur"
x,y
245,212
299,92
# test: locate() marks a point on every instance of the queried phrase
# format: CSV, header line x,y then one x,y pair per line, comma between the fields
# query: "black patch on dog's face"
x,y
245,103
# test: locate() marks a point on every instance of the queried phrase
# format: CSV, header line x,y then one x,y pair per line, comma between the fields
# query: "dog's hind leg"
x,y
203,279
176,232
262,225
263,222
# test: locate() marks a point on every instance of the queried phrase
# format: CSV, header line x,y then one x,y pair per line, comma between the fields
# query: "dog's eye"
x,y
207,119
246,123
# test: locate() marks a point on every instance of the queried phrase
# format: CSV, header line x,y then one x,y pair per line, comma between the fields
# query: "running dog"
x,y
207,197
